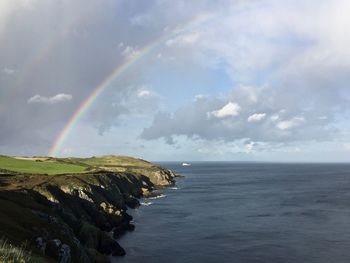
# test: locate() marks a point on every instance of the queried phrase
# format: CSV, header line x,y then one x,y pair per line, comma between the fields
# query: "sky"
x,y
226,80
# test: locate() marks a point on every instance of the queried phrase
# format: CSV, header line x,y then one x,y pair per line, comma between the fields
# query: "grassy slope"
x,y
18,223
9,253
110,160
42,167
53,166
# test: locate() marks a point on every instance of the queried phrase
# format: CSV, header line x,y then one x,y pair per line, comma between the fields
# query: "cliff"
x,y
73,209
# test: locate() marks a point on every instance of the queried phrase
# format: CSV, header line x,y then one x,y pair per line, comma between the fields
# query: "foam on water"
x,y
146,203
157,197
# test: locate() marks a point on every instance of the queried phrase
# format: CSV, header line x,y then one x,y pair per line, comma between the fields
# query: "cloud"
x,y
231,109
8,71
50,100
192,120
143,20
274,117
346,146
256,117
7,8
183,39
289,124
263,55
323,118
249,147
144,93
129,52
123,104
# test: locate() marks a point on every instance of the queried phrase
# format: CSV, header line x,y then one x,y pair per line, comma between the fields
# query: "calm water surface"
x,y
246,212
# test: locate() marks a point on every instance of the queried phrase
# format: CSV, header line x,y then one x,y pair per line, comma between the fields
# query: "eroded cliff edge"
x,y
74,217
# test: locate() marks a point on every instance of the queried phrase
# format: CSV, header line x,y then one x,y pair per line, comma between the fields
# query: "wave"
x,y
156,197
146,203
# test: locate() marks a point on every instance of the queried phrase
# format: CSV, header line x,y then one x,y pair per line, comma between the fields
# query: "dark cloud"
x,y
60,51
286,66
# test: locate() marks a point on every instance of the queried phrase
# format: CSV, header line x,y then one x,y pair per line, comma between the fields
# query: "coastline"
x,y
76,217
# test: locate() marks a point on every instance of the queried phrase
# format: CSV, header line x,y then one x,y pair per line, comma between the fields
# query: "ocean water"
x,y
246,212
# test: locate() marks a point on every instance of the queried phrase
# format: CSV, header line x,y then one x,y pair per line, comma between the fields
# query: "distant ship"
x,y
186,164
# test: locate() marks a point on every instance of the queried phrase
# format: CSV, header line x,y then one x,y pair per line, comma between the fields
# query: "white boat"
x,y
186,164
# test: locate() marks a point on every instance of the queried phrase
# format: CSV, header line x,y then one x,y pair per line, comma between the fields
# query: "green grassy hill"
x,y
39,166
76,201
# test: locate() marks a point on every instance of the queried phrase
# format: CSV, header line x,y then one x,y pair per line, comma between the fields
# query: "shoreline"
x,y
77,217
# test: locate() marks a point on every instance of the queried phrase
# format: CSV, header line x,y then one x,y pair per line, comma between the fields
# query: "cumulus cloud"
x,y
50,100
192,119
183,39
256,117
8,71
231,109
129,52
144,93
274,117
346,146
7,8
289,124
124,103
276,55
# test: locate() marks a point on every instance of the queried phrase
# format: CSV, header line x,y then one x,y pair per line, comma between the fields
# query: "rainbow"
x,y
112,76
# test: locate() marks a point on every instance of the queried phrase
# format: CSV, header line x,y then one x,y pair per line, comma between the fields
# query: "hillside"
x,y
64,209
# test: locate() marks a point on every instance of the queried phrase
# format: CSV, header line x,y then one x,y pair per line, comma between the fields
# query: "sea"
x,y
245,212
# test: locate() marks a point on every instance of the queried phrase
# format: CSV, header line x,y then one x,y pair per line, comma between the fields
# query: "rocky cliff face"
x,y
76,217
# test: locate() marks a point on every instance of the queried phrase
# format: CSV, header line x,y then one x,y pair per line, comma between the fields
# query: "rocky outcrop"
x,y
75,217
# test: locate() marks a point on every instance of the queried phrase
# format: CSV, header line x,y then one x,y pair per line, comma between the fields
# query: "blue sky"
x,y
258,80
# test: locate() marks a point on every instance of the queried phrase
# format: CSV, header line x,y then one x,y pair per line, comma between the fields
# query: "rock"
x,y
131,202
40,244
53,248
96,256
130,227
64,254
80,210
117,251
89,235
106,244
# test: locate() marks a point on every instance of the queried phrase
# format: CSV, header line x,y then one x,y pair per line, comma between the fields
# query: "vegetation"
x,y
9,253
83,199
111,160
39,166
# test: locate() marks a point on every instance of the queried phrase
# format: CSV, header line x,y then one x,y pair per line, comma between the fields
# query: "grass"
x,y
52,166
39,167
9,253
110,160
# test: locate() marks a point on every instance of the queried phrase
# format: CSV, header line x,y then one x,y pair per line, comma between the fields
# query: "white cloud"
x,y
346,146
184,39
249,147
129,52
50,100
143,20
256,117
230,109
144,93
322,118
289,124
274,117
7,8
199,97
8,71
200,118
